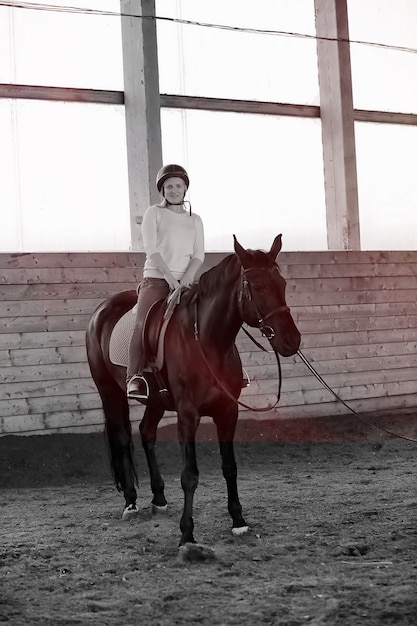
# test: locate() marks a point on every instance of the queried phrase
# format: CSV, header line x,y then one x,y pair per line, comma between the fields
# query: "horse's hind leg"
x,y
148,427
119,437
226,426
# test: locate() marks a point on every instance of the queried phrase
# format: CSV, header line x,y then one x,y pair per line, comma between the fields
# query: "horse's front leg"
x,y
226,426
188,421
148,428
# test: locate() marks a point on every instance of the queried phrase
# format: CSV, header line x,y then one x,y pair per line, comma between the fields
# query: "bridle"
x,y
267,331
246,293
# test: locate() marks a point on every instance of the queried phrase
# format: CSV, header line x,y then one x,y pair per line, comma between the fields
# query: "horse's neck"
x,y
218,317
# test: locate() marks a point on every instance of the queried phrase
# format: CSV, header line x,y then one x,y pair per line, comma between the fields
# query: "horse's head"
x,y
262,297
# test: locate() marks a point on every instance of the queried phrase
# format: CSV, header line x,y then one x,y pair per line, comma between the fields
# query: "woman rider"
x,y
173,240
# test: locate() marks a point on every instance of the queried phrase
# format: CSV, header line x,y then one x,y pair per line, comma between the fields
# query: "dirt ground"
x,y
333,536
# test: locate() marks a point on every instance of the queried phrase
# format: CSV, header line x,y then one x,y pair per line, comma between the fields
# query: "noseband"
x,y
245,293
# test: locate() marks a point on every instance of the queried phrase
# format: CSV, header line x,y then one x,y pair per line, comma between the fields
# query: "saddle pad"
x,y
122,334
120,338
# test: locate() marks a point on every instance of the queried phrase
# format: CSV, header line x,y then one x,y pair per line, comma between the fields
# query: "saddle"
x,y
153,335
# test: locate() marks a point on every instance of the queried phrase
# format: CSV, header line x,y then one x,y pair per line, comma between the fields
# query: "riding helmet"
x,y
169,171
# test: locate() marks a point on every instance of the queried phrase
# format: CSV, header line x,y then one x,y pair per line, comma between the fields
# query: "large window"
x,y
251,175
65,185
387,184
62,44
239,61
383,78
383,74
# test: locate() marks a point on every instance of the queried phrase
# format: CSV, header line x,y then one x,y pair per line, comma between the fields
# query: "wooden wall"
x,y
356,312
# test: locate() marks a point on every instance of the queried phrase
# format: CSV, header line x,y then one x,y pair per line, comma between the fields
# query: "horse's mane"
x,y
208,283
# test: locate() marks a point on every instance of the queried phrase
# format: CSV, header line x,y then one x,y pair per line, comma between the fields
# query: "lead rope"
x,y
361,417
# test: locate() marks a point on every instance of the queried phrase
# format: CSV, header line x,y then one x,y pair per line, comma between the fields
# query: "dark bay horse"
x,y
202,370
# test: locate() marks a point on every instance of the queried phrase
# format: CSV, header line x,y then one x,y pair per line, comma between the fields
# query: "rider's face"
x,y
174,190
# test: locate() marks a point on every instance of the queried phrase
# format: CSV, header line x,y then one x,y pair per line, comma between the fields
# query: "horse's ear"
x,y
276,247
240,251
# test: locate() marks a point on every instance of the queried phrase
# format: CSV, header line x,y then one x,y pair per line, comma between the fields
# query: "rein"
x,y
361,417
267,331
226,391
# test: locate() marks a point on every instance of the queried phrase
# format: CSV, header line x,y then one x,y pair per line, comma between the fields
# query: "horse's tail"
x,y
118,427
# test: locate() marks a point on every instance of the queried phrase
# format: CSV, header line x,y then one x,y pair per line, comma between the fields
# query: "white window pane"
x,y
387,166
9,230
251,175
62,48
383,78
202,61
68,173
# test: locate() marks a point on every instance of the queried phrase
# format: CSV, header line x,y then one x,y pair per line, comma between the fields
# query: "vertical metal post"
x,y
142,108
338,133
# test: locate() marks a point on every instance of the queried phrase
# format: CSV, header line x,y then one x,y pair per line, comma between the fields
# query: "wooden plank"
x,y
369,322
397,404
44,323
354,310
35,356
315,354
22,424
49,404
41,372
334,270
376,393
266,368
74,306
359,337
86,260
62,291
354,284
238,106
43,389
385,117
345,343
70,275
17,341
312,389
57,421
320,298
63,94
354,257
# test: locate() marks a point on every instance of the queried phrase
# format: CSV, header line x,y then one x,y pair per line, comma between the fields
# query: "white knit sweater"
x,y
178,237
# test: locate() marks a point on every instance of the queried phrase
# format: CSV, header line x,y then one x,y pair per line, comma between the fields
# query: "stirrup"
x,y
134,391
245,379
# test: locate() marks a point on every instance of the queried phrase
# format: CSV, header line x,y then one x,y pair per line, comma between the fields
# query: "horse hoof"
x,y
241,530
195,552
159,510
130,511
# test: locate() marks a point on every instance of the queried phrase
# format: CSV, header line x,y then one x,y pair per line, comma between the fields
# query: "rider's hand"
x,y
172,282
186,282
